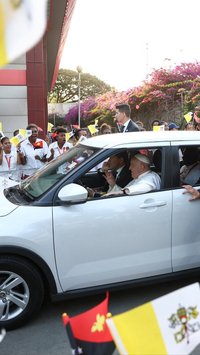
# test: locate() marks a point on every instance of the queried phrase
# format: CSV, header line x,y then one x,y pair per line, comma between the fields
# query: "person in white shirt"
x,y
144,180
10,159
35,151
60,146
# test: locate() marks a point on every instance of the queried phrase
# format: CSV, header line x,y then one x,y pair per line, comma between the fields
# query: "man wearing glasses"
x,y
35,151
123,118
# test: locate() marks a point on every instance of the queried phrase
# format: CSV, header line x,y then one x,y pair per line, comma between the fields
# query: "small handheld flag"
x,y
92,129
38,145
188,117
167,325
49,127
22,24
158,128
88,332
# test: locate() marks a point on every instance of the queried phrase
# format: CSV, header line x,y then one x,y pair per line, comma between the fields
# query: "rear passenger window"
x,y
190,165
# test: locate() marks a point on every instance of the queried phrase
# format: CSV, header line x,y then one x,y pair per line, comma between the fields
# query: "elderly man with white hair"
x,y
144,180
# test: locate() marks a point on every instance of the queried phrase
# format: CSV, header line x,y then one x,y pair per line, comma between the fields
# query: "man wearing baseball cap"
x,y
173,127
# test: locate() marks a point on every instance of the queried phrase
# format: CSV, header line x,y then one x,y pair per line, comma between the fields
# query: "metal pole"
x,y
79,70
54,118
79,99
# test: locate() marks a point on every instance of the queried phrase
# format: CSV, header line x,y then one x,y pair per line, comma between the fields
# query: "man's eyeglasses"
x,y
34,131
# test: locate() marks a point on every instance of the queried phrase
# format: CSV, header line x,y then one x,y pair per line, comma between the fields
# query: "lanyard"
x,y
62,150
8,159
59,151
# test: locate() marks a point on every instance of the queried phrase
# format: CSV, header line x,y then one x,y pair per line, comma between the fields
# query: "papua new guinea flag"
x,y
88,332
38,145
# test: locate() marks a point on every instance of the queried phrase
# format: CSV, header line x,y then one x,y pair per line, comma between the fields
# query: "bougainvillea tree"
x,y
166,95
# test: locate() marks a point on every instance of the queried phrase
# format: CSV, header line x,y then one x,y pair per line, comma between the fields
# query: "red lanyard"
x,y
8,159
61,151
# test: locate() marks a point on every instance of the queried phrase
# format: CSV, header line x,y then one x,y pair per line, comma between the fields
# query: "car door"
x,y
185,227
109,240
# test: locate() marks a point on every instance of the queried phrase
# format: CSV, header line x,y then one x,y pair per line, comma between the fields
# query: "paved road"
x,y
45,334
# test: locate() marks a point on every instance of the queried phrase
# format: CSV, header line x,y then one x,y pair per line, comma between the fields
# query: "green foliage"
x,y
66,87
56,120
167,95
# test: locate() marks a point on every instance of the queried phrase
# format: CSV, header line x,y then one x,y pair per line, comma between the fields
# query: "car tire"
x,y
21,291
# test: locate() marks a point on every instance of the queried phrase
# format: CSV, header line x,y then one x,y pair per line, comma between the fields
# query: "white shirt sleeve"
x,y
139,188
115,188
146,182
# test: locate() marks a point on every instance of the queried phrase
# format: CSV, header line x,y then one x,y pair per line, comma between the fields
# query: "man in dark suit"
x,y
123,118
117,166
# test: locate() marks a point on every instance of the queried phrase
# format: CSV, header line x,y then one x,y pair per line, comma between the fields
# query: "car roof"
x,y
111,140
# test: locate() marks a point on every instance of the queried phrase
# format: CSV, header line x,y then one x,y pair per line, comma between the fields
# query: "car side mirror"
x,y
73,193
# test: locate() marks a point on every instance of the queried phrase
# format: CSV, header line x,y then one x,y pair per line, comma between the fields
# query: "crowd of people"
x,y
19,162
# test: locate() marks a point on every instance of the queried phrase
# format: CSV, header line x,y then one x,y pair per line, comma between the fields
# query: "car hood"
x,y
6,206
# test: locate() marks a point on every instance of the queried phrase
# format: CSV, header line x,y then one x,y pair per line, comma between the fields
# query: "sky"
x,y
121,42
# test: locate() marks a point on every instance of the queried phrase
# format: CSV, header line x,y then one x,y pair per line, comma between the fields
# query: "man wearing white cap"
x,y
144,180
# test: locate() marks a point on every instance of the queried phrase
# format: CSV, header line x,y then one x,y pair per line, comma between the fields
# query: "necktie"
x,y
122,128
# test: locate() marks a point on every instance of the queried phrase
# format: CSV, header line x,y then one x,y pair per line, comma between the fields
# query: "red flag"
x,y
89,330
38,145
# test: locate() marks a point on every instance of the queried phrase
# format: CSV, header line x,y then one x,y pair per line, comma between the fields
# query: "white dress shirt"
x,y
146,182
58,151
9,167
29,152
118,171
125,125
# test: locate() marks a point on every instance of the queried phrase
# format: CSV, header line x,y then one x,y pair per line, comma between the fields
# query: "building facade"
x,y
24,84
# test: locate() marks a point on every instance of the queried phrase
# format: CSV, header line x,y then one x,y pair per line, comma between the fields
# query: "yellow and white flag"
x,y
49,127
25,132
1,126
69,135
21,136
158,128
188,116
22,25
92,129
168,325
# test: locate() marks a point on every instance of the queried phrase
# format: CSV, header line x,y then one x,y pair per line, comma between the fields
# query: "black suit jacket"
x,y
132,127
123,178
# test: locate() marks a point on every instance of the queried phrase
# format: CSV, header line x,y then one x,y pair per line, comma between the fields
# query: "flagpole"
x,y
73,344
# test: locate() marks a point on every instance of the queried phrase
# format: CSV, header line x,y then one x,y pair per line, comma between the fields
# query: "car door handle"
x,y
153,204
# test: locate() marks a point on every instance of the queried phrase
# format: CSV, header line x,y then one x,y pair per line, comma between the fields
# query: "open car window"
x,y
95,179
189,160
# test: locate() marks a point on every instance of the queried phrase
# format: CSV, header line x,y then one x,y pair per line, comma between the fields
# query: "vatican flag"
x,y
92,129
158,128
188,117
168,325
22,25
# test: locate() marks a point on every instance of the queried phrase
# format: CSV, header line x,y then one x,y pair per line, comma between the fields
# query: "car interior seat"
x,y
157,161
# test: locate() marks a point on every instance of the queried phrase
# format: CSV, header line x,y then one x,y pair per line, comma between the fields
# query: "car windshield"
x,y
54,171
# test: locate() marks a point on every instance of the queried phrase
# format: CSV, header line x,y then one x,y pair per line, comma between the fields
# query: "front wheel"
x,y
21,291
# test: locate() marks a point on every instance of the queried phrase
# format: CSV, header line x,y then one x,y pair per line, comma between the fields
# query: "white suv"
x,y
55,239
